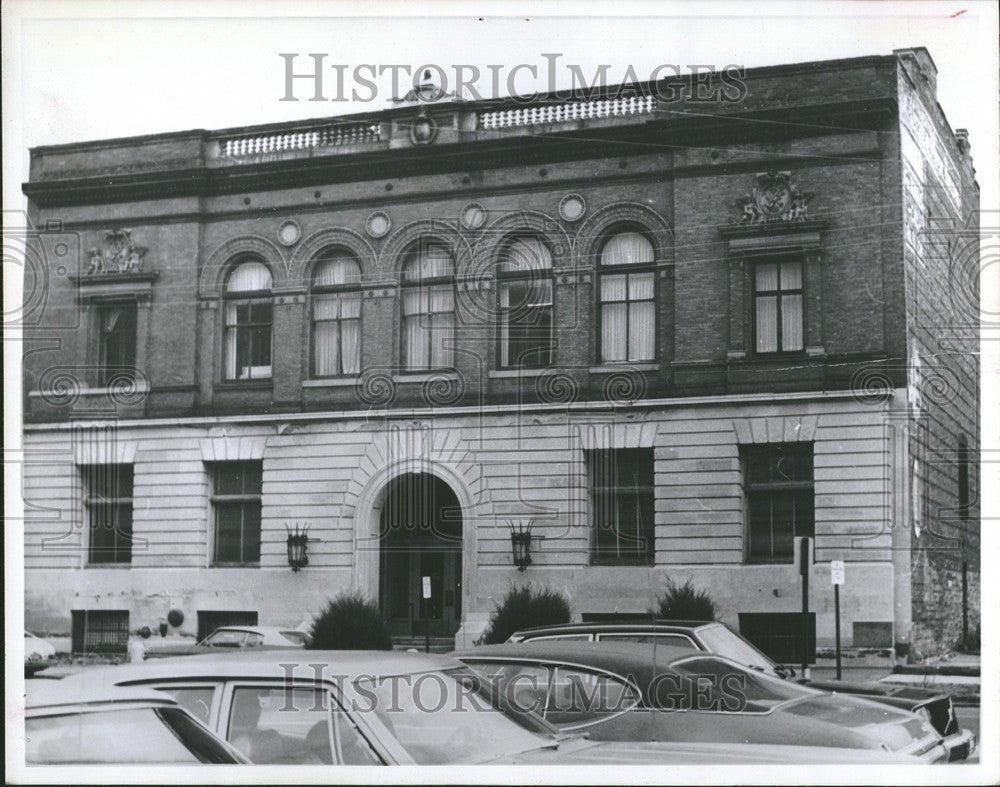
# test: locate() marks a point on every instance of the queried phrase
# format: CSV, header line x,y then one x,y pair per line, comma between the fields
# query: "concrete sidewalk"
x,y
956,674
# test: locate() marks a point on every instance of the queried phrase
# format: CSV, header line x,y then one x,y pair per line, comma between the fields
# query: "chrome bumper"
x,y
960,745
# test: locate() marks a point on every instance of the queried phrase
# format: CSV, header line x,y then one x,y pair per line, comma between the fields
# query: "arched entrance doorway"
x,y
420,557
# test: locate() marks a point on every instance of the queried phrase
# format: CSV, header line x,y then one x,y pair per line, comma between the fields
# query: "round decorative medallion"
x,y
289,233
378,224
572,207
473,216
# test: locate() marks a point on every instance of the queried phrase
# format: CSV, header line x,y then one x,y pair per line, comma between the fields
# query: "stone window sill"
x,y
423,377
331,382
611,368
502,374
140,386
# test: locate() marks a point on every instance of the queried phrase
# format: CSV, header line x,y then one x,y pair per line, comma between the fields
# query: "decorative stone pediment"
x,y
774,198
118,254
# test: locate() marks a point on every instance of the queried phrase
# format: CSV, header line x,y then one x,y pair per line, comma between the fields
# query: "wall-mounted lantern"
x,y
298,546
520,542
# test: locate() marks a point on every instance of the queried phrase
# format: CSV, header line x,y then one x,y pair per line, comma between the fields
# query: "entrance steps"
x,y
424,644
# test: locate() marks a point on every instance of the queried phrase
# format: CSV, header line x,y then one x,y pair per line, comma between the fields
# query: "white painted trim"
x,y
441,412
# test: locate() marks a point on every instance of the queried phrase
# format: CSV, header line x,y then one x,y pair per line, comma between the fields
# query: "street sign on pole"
x,y
837,575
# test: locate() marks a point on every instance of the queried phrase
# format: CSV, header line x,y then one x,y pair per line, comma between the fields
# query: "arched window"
x,y
248,322
428,308
627,288
336,310
524,294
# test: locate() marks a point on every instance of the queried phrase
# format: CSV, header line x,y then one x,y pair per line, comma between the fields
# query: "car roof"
x,y
587,628
619,657
260,629
51,693
344,664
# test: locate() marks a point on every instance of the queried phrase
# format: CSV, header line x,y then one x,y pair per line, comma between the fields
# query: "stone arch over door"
x,y
367,518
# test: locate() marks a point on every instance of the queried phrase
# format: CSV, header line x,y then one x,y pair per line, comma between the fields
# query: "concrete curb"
x,y
964,689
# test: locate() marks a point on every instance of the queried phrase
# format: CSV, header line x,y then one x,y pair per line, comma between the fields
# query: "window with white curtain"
x,y
248,314
627,295
428,300
524,292
778,306
336,308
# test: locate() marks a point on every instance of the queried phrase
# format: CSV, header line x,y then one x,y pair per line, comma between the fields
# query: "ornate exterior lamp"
x,y
520,542
298,545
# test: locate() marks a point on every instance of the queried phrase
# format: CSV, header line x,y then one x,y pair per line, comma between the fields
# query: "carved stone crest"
x,y
119,254
774,198
424,128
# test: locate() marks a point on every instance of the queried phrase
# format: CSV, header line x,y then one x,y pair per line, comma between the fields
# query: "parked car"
x,y
385,707
38,653
936,706
73,724
645,691
37,649
234,638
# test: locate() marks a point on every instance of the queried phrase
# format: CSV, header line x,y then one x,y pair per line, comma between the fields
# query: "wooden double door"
x,y
422,591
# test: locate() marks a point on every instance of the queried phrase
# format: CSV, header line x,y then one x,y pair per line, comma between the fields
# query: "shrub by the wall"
x,y
684,602
524,607
349,622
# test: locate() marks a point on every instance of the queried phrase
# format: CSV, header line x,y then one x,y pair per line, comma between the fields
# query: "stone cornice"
x,y
563,142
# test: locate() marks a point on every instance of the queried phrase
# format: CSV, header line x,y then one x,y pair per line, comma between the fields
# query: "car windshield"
x,y
225,638
723,642
295,637
167,735
448,717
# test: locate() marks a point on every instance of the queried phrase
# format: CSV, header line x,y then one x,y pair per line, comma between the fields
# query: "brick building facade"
x,y
672,335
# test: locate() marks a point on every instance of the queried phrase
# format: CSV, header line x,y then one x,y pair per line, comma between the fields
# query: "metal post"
x,y
836,616
804,569
965,605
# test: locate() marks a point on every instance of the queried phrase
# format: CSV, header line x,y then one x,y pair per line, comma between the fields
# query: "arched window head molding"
x,y
630,217
522,223
312,250
367,492
403,241
235,251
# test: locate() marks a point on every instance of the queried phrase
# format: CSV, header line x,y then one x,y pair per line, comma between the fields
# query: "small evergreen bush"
x,y
684,602
524,607
349,622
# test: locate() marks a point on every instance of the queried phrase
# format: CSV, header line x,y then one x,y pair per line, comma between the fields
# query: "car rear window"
x,y
736,689
720,640
130,736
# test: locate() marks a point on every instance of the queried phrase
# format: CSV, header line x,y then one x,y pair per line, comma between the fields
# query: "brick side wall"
x,y
941,257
